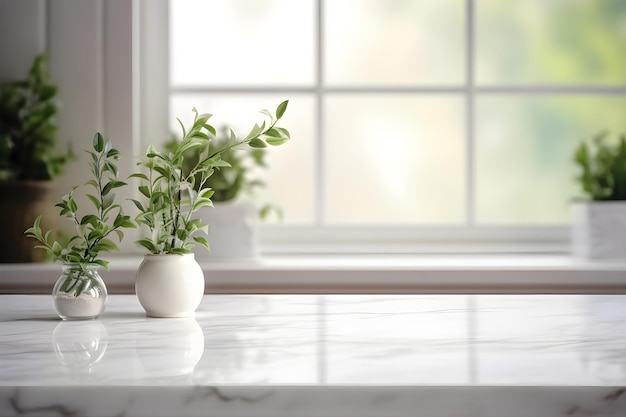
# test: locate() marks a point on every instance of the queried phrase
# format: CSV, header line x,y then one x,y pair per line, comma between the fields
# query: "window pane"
x,y
394,159
556,41
241,42
524,146
393,42
289,177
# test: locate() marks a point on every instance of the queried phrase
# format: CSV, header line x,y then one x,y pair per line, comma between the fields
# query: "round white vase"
x,y
169,285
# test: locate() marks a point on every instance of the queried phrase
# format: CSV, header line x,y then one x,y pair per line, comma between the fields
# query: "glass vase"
x,y
79,293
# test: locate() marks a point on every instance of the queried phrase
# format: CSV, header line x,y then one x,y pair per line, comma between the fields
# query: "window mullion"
x,y
319,165
470,188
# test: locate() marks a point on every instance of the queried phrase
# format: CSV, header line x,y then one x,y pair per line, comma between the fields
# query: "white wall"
x,y
90,48
22,36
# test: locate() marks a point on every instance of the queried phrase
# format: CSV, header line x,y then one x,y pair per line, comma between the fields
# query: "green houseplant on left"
x,y
29,160
79,292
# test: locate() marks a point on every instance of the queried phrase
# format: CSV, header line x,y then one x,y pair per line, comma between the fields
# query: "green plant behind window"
x,y
603,166
227,183
28,127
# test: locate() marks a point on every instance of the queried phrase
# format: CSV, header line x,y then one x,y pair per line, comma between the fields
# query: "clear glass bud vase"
x,y
79,293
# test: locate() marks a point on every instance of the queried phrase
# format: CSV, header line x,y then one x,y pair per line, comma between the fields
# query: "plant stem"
x,y
176,219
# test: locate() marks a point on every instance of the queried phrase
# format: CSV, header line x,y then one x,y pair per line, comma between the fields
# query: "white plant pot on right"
x,y
232,232
598,229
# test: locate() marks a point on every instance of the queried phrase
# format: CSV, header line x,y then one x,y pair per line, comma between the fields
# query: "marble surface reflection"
x,y
80,345
169,350
320,355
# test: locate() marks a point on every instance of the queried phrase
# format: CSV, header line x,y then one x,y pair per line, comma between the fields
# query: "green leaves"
x,y
280,110
94,228
166,188
28,127
603,167
202,241
98,142
276,141
257,143
35,232
91,219
149,245
175,184
111,185
256,131
274,135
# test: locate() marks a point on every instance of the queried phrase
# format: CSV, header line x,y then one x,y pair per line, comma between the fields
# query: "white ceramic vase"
x,y
169,285
598,229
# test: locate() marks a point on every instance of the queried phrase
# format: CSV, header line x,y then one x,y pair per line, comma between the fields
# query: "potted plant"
x,y
169,281
28,161
232,221
80,293
599,223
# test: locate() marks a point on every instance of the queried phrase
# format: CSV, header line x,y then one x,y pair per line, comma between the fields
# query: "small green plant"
x,y
227,183
603,165
173,189
93,230
28,127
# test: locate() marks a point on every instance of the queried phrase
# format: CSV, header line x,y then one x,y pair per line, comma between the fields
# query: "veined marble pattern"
x,y
320,355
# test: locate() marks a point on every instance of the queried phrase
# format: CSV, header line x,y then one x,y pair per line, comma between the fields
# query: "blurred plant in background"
x,y
229,183
603,165
28,127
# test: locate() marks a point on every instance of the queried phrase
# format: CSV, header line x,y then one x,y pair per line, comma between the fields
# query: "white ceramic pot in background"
x,y
232,231
169,285
598,229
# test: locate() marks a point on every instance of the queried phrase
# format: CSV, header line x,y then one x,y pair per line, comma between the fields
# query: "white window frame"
x,y
528,269
320,238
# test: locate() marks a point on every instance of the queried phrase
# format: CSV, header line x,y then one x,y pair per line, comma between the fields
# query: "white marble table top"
x,y
320,355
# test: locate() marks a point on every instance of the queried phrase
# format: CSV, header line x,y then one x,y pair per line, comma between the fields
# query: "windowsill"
x,y
365,274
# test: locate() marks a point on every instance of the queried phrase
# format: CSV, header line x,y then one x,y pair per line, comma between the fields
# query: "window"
x,y
414,121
